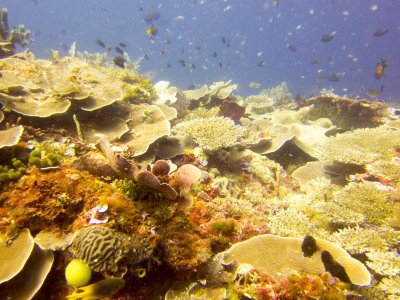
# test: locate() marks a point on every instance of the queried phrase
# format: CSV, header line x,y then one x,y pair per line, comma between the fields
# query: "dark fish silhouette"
x,y
100,43
119,50
292,48
119,61
380,32
151,17
223,40
214,54
261,63
182,62
328,37
123,45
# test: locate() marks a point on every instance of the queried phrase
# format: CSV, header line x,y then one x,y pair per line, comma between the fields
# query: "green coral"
x,y
142,92
211,133
42,159
12,173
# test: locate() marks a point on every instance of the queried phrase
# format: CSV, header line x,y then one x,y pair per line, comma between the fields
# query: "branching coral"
x,y
211,133
358,240
360,146
385,263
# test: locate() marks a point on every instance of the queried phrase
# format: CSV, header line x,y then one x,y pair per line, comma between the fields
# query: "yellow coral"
x,y
211,133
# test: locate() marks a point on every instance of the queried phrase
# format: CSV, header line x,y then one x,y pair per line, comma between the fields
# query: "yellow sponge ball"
x,y
77,273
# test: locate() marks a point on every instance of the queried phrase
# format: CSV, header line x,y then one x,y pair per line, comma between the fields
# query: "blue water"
x,y
259,35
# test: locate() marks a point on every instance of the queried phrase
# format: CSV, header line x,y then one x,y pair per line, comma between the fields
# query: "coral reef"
x,y
211,133
10,38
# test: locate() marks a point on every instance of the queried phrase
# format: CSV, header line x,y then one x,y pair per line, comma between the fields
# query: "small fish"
x,y
228,43
151,17
163,52
99,290
261,63
151,31
119,50
380,32
167,65
380,69
182,62
167,41
223,40
328,37
119,61
292,48
123,45
214,54
331,78
100,43
146,57
220,65
192,66
191,87
315,62
373,93
254,85
198,48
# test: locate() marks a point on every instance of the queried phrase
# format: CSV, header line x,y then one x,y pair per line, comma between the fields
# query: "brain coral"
x,y
211,133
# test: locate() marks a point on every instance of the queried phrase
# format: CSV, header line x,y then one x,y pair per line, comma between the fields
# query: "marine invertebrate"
x,y
385,263
24,267
10,137
9,38
77,273
347,113
101,248
12,173
211,133
360,146
281,255
259,104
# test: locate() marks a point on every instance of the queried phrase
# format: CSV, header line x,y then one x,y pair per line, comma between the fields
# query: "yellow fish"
x,y
254,85
380,69
99,290
151,31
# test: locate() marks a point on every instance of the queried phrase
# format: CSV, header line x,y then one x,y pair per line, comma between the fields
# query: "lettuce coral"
x,y
211,133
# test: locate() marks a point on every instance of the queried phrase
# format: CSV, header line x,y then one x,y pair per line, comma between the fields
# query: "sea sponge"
x,y
77,273
360,146
211,133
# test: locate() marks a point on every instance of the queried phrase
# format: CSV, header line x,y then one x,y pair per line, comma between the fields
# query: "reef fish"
x,y
380,32
101,289
328,37
100,43
380,69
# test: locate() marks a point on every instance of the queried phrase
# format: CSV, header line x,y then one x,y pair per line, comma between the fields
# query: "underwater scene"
x,y
199,149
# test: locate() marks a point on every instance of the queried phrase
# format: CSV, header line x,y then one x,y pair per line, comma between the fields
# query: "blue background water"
x,y
259,33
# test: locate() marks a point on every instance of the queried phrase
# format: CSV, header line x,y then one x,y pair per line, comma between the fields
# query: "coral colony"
x,y
114,187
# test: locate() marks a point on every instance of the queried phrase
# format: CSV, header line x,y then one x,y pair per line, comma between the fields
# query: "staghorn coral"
x,y
385,263
360,146
366,198
211,133
359,240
